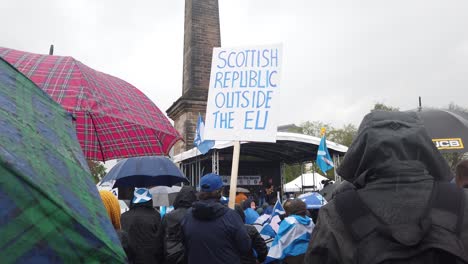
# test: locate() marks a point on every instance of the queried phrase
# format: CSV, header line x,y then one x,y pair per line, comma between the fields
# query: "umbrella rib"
x,y
97,136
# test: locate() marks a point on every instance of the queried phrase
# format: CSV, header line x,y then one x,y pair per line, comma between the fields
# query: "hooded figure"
x,y
214,233
392,163
141,223
259,249
170,233
250,214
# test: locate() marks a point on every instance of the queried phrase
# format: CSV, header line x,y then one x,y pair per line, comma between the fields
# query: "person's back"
x,y
141,223
290,244
393,166
259,249
170,233
213,233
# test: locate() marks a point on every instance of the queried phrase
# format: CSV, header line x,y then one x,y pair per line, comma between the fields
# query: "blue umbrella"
x,y
145,171
313,200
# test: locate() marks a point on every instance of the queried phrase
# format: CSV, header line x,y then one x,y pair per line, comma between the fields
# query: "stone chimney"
x,y
201,34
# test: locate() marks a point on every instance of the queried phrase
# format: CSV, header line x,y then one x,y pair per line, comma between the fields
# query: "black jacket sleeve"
x,y
258,243
241,237
160,241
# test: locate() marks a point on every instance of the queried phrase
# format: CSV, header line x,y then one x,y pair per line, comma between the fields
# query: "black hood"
x,y
185,197
246,203
208,209
240,211
392,140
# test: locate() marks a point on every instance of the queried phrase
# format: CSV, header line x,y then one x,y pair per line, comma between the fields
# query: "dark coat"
x,y
392,163
214,234
171,222
128,248
141,223
258,243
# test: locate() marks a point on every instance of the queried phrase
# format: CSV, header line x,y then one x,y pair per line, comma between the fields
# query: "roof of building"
x,y
289,148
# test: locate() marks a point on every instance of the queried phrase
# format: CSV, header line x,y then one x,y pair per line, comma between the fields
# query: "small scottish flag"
x,y
203,145
324,161
292,239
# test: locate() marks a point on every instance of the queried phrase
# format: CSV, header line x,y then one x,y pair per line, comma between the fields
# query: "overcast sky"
x,y
339,57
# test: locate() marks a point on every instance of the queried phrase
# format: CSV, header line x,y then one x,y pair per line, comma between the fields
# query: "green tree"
x,y
291,171
98,171
384,107
343,135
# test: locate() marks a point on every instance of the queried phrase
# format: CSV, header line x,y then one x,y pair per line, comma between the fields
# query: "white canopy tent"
x,y
306,179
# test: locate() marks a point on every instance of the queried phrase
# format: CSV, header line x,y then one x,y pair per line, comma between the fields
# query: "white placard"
x,y
243,99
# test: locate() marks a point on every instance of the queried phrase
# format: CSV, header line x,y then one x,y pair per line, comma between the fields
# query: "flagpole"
x,y
234,172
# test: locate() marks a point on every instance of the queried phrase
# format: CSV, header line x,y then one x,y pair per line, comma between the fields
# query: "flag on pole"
x,y
203,145
324,161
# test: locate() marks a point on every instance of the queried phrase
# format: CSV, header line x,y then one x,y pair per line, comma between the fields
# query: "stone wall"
x,y
201,34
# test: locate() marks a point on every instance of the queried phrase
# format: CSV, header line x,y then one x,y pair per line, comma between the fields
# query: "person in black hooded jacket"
x,y
214,233
258,243
392,165
141,223
170,233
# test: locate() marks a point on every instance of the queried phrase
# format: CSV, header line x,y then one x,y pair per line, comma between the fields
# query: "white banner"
x,y
242,180
243,99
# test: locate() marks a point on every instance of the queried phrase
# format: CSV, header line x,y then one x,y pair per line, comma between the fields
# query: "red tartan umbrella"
x,y
113,118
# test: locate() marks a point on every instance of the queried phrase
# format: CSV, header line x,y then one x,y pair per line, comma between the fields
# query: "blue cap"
x,y
141,195
210,183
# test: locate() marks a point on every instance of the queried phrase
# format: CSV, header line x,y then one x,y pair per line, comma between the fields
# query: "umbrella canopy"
x,y
448,129
145,171
242,190
113,118
313,200
163,195
50,209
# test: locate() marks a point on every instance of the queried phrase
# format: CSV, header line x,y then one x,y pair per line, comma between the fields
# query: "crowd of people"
x,y
398,204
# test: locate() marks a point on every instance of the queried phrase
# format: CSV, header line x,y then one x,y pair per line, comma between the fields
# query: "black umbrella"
x,y
448,129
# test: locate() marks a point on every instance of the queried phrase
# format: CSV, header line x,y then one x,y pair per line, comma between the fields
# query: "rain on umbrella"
x,y
50,208
163,195
113,118
448,129
147,171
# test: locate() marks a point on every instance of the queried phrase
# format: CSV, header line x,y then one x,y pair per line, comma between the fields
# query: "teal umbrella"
x,y
50,210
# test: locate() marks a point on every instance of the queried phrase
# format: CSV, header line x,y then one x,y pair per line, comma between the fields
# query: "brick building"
x,y
201,34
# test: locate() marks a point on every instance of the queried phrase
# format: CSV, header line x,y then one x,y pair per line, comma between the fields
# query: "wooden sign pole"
x,y
234,172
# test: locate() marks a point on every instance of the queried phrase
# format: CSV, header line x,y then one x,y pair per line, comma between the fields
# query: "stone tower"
x,y
201,34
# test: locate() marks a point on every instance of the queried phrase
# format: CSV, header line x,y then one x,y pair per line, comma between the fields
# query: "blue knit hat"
x,y
141,195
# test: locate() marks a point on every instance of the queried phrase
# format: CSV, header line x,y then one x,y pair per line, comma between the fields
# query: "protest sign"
x,y
243,95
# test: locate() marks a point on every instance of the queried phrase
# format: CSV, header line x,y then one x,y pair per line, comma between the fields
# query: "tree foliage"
x,y
384,107
343,135
98,171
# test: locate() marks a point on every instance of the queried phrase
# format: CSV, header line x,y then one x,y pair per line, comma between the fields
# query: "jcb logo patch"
x,y
448,143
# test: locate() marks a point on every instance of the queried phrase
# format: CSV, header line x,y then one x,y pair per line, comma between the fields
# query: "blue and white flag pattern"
x,y
268,225
324,161
292,239
203,145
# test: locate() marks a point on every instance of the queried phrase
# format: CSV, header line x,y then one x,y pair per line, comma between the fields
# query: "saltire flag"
x,y
324,161
292,239
203,145
268,225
